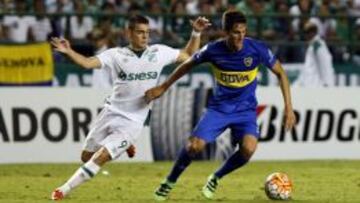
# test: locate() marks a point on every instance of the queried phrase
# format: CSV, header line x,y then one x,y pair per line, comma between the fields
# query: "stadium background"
x,y
48,124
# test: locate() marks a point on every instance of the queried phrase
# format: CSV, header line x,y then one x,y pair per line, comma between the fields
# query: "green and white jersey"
x,y
318,68
132,75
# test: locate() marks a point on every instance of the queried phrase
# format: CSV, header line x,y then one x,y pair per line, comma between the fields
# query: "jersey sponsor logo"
x,y
138,76
234,78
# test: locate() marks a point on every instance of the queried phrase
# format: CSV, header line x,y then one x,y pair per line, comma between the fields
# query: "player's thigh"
x,y
243,124
210,126
98,131
246,133
123,133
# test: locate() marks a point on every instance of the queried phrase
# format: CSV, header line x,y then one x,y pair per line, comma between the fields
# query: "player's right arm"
x,y
181,70
63,46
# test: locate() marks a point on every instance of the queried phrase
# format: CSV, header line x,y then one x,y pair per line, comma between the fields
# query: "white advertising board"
x,y
39,125
328,124
50,124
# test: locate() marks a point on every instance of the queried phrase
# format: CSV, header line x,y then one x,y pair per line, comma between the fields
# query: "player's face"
x,y
139,36
237,34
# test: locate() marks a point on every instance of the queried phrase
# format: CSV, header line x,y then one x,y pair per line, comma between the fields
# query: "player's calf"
x,y
83,174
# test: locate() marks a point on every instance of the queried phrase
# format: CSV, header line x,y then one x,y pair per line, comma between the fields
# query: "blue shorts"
x,y
213,123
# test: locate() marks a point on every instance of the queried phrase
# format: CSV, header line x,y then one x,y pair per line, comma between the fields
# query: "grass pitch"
x,y
314,181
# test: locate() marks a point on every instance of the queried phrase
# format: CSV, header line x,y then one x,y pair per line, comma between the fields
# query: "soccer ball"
x,y
278,186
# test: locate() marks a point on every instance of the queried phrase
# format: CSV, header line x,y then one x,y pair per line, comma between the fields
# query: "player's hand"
x,y
200,24
60,45
131,151
290,119
154,93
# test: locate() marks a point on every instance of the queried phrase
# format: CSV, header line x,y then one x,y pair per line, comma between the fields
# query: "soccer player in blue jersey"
x,y
235,61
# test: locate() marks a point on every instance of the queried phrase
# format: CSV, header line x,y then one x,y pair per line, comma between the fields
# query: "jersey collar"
x,y
137,53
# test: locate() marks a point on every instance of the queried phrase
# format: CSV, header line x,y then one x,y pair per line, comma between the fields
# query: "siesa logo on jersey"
x,y
248,61
138,76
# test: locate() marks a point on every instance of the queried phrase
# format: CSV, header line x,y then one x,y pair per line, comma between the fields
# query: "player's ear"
x,y
127,32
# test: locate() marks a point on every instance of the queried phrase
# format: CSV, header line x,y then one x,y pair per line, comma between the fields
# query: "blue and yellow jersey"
x,y
235,73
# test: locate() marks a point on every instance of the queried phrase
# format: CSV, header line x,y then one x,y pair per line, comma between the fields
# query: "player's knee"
x,y
102,156
248,146
194,149
86,156
196,146
247,151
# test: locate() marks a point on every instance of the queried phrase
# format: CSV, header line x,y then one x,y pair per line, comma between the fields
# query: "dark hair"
x,y
137,19
230,18
310,28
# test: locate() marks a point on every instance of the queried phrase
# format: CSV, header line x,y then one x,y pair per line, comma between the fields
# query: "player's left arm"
x,y
290,118
200,24
159,90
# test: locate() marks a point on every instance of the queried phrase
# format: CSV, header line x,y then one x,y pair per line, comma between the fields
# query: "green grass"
x,y
314,181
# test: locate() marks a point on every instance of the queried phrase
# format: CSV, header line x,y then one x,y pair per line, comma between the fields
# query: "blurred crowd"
x,y
280,22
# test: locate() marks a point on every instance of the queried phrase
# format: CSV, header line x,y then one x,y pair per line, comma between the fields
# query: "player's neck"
x,y
137,49
233,47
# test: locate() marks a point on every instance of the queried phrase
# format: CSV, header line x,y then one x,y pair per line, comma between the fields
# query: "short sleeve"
x,y
202,55
8,20
106,57
30,21
170,54
267,57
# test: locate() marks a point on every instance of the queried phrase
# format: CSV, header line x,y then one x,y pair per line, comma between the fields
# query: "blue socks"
x,y
183,161
234,162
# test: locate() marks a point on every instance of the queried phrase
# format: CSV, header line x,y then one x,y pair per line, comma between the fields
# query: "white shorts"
x,y
113,131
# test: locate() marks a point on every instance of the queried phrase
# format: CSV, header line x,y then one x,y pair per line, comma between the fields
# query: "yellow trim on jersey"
x,y
234,78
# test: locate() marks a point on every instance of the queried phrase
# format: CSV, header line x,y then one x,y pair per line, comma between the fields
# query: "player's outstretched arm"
x,y
290,118
157,91
63,46
198,25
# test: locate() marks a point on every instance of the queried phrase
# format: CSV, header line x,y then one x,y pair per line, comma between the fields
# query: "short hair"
x,y
310,28
137,19
230,18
